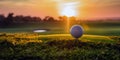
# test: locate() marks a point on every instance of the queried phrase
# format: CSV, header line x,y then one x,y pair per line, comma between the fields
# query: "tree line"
x,y
20,19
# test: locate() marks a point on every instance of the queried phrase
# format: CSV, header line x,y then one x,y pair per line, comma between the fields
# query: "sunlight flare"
x,y
68,9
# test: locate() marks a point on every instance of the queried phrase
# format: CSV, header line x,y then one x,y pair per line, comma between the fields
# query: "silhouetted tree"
x,y
51,19
46,18
9,20
36,19
63,18
19,19
60,18
2,18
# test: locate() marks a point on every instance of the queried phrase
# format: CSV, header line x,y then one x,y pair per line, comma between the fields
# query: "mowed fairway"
x,y
38,37
84,38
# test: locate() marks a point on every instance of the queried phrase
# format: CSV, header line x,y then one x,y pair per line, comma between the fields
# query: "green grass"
x,y
58,46
101,41
90,28
115,31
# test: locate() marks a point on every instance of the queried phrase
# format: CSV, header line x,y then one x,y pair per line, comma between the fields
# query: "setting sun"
x,y
68,9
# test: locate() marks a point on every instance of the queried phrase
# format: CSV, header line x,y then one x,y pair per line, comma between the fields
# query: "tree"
x,y
51,19
36,19
2,18
46,18
63,18
9,19
60,18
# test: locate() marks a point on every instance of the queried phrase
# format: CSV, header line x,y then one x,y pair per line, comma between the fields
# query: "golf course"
x,y
59,29
100,41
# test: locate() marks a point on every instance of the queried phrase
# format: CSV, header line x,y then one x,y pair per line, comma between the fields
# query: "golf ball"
x,y
76,31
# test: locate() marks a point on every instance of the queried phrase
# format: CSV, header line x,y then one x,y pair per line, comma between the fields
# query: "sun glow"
x,y
68,9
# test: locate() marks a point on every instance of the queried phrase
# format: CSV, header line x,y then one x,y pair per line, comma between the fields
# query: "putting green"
x,y
84,38
33,37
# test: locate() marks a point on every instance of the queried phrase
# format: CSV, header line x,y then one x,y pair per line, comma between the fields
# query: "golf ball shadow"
x,y
76,31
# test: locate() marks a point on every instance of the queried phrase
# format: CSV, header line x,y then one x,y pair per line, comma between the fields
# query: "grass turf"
x,y
58,46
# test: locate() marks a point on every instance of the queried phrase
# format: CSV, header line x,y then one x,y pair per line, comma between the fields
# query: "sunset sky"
x,y
80,8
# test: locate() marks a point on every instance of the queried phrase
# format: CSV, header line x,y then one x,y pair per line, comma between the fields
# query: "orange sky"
x,y
55,8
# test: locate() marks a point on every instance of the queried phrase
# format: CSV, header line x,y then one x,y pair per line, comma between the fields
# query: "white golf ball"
x,y
76,31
